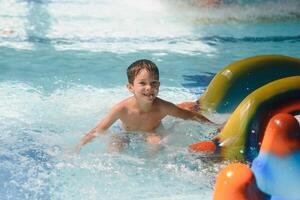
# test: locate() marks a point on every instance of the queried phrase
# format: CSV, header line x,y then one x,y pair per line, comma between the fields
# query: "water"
x,y
63,66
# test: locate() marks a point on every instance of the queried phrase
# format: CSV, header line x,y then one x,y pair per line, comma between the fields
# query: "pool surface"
x,y
63,65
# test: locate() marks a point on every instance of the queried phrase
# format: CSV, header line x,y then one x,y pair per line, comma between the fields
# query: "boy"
x,y
143,111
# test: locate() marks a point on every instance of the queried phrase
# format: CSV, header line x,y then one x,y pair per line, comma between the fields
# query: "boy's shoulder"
x,y
164,103
123,104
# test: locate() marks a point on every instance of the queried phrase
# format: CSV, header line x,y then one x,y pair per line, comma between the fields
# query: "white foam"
x,y
77,102
142,25
13,24
54,121
127,26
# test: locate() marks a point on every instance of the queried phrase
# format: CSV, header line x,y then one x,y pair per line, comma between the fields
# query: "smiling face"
x,y
145,86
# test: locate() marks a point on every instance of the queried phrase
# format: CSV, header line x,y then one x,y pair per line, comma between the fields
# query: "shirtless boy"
x,y
143,111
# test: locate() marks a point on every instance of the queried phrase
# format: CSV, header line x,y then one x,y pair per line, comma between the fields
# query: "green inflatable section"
x,y
239,138
234,82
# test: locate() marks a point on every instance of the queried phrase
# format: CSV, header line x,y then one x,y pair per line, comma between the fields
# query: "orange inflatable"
x,y
282,136
204,146
236,182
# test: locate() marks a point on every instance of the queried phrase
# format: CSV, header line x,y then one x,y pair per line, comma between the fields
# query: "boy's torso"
x,y
135,120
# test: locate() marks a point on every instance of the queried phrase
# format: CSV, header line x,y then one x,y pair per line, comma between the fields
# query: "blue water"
x,y
62,66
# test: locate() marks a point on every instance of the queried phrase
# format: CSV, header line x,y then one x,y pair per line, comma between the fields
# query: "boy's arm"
x,y
101,127
173,110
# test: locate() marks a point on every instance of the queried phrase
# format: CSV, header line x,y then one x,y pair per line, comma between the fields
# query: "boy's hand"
x,y
77,148
220,127
72,151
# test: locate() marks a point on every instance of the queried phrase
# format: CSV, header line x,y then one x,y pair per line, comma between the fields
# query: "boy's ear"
x,y
130,87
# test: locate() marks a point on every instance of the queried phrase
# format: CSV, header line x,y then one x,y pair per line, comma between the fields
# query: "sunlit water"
x,y
63,66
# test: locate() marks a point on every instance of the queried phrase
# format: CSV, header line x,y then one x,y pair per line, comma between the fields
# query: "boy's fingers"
x,y
77,149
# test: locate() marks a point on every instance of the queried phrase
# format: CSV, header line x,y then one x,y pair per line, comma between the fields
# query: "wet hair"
x,y
134,69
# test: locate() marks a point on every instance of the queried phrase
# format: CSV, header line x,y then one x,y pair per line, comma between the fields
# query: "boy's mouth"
x,y
149,95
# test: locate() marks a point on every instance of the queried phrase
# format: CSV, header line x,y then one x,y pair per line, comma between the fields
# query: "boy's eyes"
x,y
154,83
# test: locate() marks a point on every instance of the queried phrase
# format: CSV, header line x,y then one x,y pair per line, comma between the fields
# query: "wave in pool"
x,y
130,26
39,129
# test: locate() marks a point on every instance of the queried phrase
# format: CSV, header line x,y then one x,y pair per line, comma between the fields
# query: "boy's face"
x,y
145,86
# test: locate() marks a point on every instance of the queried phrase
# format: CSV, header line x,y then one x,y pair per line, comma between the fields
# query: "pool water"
x,y
63,66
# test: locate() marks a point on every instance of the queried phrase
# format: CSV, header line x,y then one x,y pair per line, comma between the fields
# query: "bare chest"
x,y
135,121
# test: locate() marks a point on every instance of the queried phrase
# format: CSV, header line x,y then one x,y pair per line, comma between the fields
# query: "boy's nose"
x,y
148,86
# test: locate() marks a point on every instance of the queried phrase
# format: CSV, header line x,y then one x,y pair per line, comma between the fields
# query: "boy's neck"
x,y
144,107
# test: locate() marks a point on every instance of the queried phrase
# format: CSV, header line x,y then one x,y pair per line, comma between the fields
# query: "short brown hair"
x,y
137,66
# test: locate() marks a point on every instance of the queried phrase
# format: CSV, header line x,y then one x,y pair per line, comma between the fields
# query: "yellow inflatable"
x,y
234,82
239,138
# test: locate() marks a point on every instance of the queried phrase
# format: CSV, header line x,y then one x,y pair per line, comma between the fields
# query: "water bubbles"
x,y
45,124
